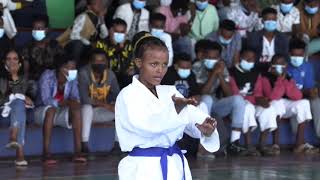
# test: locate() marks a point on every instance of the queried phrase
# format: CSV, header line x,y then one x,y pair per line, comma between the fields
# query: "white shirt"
x,y
285,22
8,22
166,38
143,120
267,50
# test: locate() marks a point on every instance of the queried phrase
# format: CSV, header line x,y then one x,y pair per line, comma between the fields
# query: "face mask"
x,y
202,5
119,37
296,61
157,32
99,68
38,35
270,25
139,4
184,73
1,32
278,68
165,2
72,75
286,8
210,63
224,41
245,65
311,10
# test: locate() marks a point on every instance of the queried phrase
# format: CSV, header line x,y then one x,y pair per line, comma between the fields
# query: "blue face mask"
x,y
39,35
202,5
1,32
296,61
184,73
72,75
224,41
270,25
278,68
157,32
245,65
139,4
311,10
210,63
119,37
286,8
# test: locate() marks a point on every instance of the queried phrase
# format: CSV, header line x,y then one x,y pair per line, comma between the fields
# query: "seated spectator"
x,y
8,23
245,16
310,18
286,98
135,15
118,50
59,105
98,88
230,40
205,21
14,100
176,16
213,74
269,41
40,53
157,22
78,39
303,74
246,81
181,76
288,17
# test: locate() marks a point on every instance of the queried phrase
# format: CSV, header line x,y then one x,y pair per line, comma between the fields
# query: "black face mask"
x,y
99,68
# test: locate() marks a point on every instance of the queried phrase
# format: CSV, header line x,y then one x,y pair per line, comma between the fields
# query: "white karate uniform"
x,y
143,120
298,111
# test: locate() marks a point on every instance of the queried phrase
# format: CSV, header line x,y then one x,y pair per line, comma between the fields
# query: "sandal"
x,y
79,159
12,145
48,160
21,163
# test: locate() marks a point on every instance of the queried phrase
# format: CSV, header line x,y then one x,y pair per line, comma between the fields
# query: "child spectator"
x,y
310,18
286,98
205,21
85,29
288,17
98,88
39,55
267,42
303,74
135,15
59,105
157,22
14,95
245,16
246,80
118,50
230,40
212,74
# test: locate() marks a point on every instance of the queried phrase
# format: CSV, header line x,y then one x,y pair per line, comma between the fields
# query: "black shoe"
x,y
235,149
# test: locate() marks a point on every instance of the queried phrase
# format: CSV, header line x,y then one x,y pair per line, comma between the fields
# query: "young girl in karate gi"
x,y
151,118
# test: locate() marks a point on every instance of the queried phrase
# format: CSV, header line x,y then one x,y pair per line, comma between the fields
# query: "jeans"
x,y
232,105
17,119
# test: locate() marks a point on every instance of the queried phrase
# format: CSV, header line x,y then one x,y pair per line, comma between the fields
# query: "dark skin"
x,y
13,63
295,27
153,66
267,34
312,93
117,28
226,34
75,118
101,59
182,64
216,73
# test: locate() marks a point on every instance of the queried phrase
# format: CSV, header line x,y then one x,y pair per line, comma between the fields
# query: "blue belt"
x,y
160,152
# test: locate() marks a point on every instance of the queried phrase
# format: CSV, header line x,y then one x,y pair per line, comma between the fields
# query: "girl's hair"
x,y
278,56
144,41
61,60
4,73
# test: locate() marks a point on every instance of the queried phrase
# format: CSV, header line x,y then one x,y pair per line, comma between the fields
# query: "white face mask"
x,y
38,35
72,75
165,2
1,32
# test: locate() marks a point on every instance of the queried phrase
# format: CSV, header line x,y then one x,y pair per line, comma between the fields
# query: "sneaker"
x,y
235,149
21,163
